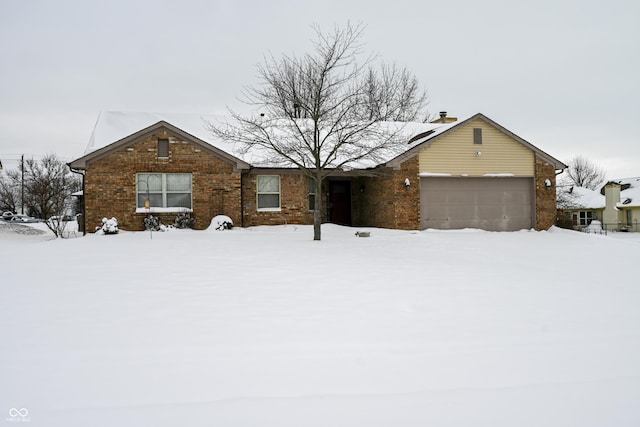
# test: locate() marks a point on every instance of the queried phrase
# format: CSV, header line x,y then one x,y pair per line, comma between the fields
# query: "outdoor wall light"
x,y
407,183
547,184
478,153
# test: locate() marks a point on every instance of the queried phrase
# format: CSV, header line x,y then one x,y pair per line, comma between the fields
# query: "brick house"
x,y
453,174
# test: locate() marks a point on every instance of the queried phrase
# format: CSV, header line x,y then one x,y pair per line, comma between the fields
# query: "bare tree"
x,y
48,185
9,194
395,95
324,111
582,172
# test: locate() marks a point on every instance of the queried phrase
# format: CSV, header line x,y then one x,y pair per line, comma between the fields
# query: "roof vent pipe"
x,y
443,116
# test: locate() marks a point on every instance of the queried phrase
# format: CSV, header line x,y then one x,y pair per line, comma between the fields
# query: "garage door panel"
x,y
498,204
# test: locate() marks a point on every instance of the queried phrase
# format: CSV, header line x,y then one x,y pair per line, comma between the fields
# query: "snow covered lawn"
x,y
265,327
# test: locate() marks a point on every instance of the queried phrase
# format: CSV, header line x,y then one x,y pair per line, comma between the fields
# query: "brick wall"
x,y
387,203
110,182
407,202
545,198
294,199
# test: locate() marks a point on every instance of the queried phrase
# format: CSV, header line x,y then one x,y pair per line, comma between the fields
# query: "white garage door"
x,y
496,204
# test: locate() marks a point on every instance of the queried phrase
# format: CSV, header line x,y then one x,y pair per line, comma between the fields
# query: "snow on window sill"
x,y
269,210
163,210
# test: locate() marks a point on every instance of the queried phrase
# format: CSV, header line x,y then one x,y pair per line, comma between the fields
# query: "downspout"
x,y
84,211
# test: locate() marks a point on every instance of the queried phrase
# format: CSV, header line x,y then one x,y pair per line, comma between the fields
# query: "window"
x,y
312,194
163,148
477,135
268,192
164,190
585,217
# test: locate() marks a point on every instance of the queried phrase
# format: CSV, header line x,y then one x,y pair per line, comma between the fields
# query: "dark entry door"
x,y
340,199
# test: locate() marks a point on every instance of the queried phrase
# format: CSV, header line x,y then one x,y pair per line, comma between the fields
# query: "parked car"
x,y
7,216
24,218
64,218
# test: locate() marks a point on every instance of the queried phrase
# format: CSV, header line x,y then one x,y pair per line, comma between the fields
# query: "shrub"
x,y
184,220
221,222
152,223
109,226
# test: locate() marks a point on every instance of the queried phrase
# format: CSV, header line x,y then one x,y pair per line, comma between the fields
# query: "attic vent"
x,y
477,135
163,148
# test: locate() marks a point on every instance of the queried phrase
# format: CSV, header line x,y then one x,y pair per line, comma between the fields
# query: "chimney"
x,y
444,118
611,215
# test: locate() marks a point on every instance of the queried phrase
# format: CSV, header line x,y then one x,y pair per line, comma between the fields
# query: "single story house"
x,y
472,173
616,205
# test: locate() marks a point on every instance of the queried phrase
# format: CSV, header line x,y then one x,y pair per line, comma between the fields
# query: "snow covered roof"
x,y
584,198
629,193
113,126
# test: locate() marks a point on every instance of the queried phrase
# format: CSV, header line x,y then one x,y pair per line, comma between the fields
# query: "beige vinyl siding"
x,y
455,153
635,218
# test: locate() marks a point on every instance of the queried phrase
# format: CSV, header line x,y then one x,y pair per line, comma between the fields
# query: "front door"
x,y
340,202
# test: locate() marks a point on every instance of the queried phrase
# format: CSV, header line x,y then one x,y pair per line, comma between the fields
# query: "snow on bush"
x,y
221,222
152,223
109,226
184,220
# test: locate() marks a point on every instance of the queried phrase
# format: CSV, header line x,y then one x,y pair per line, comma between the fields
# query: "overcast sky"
x,y
564,75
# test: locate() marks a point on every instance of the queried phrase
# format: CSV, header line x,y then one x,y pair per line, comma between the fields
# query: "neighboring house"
x,y
464,174
616,205
578,206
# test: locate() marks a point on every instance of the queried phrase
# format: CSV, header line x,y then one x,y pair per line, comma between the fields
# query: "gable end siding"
x,y
456,153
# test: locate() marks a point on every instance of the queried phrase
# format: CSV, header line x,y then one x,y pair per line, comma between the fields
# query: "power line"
x,y
14,156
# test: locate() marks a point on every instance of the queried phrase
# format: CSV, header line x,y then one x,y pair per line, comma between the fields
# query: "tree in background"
x,y
9,195
324,111
395,95
582,172
48,185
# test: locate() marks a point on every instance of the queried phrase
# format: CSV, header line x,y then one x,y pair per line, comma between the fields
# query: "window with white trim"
x,y
585,217
164,190
268,189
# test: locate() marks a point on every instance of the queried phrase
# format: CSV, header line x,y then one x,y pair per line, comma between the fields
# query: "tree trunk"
x,y
317,208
